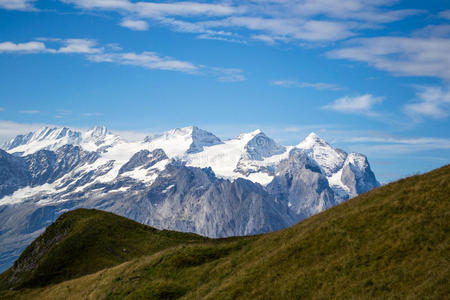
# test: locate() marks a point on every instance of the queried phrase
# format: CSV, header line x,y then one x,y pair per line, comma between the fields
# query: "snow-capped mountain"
x,y
51,138
348,174
183,140
185,179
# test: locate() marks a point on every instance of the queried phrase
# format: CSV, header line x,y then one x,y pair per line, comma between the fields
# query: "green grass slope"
x,y
392,242
84,241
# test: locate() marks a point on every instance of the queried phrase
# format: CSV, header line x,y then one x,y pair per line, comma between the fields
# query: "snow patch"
x,y
23,194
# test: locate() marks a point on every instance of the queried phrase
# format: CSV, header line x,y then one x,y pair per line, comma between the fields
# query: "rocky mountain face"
x,y
185,179
300,175
13,173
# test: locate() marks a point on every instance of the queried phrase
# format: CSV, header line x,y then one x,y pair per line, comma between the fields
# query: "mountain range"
x,y
185,179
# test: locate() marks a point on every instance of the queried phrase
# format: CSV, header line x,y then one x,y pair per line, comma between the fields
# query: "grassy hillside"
x,y
84,241
392,242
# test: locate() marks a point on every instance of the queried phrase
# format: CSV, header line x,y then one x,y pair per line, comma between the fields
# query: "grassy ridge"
x,y
392,242
84,241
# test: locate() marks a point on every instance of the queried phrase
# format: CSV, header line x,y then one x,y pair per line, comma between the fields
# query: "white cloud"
x,y
389,144
316,85
138,25
152,60
149,60
111,54
445,14
91,114
79,46
30,47
432,101
1,108
441,31
286,29
101,4
412,56
269,20
435,142
355,105
29,111
229,75
365,10
17,4
154,9
264,38
68,46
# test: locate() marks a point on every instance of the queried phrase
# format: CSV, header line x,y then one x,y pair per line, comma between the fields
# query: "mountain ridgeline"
x,y
184,179
391,242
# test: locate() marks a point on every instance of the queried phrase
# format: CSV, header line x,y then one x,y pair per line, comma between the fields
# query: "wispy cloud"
x,y
25,5
270,21
432,142
83,46
229,75
355,105
30,112
382,143
445,14
411,56
432,101
315,85
149,60
29,47
286,29
111,54
154,9
399,145
91,114
264,38
138,25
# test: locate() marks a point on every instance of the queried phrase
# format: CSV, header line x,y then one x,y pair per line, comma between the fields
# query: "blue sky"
x,y
368,76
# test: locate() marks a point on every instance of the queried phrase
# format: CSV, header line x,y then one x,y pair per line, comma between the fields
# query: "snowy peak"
x,y
259,156
246,137
99,138
261,146
328,158
311,141
185,131
180,141
356,175
202,138
50,138
43,134
357,160
97,132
